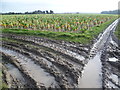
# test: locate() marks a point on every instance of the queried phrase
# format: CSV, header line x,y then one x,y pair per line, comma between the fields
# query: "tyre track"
x,y
64,68
33,70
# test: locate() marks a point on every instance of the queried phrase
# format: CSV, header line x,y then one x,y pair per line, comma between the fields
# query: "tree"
x,y
47,12
51,12
34,12
111,12
43,12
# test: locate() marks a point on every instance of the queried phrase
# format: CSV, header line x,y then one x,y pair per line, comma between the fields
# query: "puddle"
x,y
15,73
35,71
91,77
113,59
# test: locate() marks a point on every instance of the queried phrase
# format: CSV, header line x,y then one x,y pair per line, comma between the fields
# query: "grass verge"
x,y
117,32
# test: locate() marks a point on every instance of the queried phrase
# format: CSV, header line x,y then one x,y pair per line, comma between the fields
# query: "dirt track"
x,y
43,63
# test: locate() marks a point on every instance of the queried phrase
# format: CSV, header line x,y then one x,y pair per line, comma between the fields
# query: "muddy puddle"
x,y
14,72
35,71
92,74
113,59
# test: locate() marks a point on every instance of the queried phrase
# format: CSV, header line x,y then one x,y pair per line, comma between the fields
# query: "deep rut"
x,y
60,62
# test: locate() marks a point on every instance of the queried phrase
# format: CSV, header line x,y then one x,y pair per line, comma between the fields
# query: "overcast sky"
x,y
59,6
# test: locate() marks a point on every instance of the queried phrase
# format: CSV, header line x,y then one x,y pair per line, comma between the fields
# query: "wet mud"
x,y
37,62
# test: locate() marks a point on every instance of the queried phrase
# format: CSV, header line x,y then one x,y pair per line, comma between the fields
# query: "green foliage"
x,y
111,12
77,23
117,32
83,38
80,28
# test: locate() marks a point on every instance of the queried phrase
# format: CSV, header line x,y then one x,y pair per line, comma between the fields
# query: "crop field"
x,y
62,23
70,27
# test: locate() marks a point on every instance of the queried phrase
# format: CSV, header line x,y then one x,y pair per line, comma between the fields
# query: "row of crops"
x,y
55,22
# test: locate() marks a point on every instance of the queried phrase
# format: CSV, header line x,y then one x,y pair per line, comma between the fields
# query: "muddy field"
x,y
58,62
35,62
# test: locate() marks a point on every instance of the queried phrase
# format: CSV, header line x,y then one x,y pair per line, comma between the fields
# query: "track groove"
x,y
63,67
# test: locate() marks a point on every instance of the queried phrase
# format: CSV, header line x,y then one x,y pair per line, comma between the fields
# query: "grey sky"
x,y
58,6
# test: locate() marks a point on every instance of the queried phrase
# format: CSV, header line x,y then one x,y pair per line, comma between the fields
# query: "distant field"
x,y
71,27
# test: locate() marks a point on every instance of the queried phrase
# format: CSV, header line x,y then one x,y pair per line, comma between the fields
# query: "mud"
x,y
111,65
94,74
36,62
60,63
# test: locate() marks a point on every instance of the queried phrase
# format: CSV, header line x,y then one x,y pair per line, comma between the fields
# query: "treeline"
x,y
34,12
111,12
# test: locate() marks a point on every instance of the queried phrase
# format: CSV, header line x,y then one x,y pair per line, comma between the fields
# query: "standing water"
x,y
35,71
15,73
92,75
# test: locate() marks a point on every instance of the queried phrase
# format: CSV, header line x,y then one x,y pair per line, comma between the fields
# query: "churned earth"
x,y
37,62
